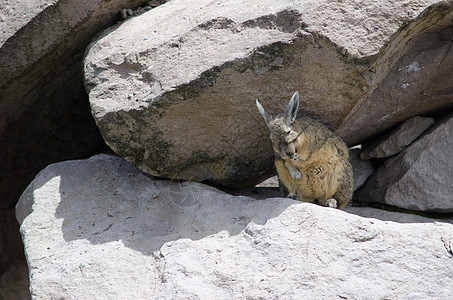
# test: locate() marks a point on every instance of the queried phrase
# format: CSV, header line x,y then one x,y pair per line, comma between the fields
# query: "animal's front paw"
x,y
331,203
292,196
295,173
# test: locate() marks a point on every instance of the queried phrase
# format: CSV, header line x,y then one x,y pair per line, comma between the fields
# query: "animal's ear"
x,y
267,116
291,110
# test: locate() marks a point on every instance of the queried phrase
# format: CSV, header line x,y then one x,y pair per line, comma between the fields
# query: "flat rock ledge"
x,y
101,229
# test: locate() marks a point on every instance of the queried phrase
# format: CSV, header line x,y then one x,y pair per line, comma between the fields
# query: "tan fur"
x,y
315,154
325,169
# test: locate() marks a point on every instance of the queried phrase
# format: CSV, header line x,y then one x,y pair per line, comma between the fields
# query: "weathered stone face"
x,y
173,90
419,82
397,140
101,229
207,128
44,108
419,178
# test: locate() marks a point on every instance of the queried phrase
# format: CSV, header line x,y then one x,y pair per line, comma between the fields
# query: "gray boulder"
x,y
417,83
44,108
419,178
101,229
362,168
173,91
398,139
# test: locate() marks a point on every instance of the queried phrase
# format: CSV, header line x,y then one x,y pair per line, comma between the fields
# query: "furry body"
x,y
325,171
312,162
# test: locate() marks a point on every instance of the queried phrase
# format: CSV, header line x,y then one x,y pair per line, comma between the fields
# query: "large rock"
x,y
419,82
44,108
173,91
100,229
419,178
398,139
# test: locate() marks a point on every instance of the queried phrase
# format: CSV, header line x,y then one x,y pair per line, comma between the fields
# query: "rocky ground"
x,y
101,220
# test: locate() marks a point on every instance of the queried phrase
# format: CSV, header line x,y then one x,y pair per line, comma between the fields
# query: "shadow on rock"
x,y
106,199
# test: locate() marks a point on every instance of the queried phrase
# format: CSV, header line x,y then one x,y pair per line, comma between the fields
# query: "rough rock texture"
x,y
173,90
419,178
398,139
14,283
44,109
100,229
363,169
419,82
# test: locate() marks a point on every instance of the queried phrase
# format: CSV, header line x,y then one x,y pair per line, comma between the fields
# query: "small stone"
x,y
123,13
154,3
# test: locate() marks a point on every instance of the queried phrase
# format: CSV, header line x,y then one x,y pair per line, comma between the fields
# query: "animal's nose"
x,y
290,154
